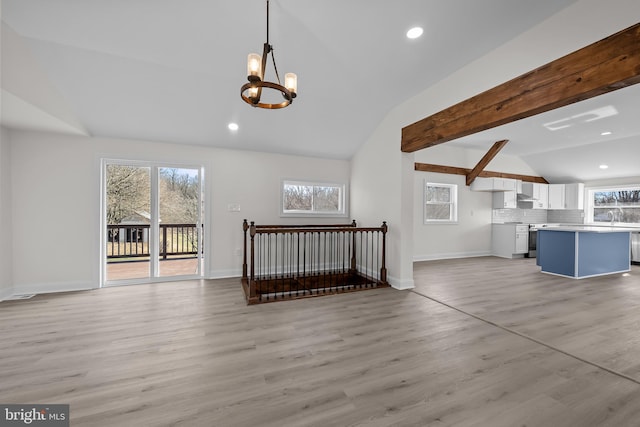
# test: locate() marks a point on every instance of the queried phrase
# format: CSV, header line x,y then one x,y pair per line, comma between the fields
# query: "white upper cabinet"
x,y
566,196
534,195
539,194
556,196
482,184
504,184
494,184
505,200
574,196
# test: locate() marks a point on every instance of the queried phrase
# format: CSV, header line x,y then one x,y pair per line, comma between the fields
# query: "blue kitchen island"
x,y
584,251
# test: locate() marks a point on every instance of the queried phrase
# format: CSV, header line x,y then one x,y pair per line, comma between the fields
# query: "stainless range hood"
x,y
526,193
521,197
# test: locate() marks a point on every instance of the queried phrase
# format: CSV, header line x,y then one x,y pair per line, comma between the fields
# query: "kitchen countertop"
x,y
590,228
544,226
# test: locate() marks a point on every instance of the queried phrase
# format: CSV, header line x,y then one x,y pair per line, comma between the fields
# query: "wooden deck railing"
x,y
132,240
297,261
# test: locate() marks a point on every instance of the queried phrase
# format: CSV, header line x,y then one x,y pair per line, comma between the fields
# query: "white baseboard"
x,y
399,284
5,293
48,288
224,274
453,255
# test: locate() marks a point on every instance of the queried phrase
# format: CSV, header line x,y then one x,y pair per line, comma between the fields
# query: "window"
x,y
151,214
440,203
313,198
614,205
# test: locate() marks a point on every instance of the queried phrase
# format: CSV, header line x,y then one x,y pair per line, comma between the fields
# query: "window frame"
x,y
589,205
154,166
453,204
343,211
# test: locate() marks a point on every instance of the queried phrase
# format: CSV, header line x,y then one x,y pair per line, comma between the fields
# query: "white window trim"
x,y
588,205
343,213
454,214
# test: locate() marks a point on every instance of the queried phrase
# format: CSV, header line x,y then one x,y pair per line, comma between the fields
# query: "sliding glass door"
x,y
152,222
179,221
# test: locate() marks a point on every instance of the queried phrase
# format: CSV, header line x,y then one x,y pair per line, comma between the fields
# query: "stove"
x,y
536,227
533,235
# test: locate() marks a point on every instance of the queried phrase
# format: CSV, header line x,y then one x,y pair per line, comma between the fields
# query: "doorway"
x,y
152,222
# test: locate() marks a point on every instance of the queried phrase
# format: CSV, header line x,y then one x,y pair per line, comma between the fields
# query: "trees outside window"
x,y
440,203
152,213
309,198
128,189
617,205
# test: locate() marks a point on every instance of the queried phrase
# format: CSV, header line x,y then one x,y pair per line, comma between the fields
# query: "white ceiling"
x,y
171,70
571,147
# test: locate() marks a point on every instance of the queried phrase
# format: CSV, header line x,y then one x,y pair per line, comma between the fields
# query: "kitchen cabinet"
x,y
566,196
509,240
541,193
494,184
574,196
556,196
583,251
504,184
482,184
522,240
505,200
538,193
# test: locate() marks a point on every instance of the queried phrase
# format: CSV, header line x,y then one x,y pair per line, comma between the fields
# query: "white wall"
x,y
471,235
632,180
379,190
383,178
56,201
6,234
29,97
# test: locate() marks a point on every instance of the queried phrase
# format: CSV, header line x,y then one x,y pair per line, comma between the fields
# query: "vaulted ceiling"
x,y
570,143
169,70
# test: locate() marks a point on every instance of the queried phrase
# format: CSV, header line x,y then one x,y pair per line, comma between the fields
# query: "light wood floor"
x,y
140,269
479,342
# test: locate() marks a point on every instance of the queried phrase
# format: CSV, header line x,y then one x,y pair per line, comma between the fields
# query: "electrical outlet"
x,y
233,207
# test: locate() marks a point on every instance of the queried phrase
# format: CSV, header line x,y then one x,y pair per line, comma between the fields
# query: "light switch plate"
x,y
233,207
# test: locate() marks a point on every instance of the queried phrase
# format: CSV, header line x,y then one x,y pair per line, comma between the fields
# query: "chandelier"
x,y
251,92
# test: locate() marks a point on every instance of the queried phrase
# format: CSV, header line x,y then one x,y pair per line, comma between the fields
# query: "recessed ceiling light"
x,y
414,33
605,133
604,167
233,126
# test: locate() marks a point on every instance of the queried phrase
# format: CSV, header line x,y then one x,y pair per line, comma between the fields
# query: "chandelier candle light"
x,y
252,92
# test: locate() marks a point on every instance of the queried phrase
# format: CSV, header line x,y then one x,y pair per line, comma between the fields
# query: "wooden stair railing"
x,y
283,262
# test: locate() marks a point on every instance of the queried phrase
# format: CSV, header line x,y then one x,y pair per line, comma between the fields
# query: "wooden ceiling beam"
x,y
452,170
484,161
607,65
